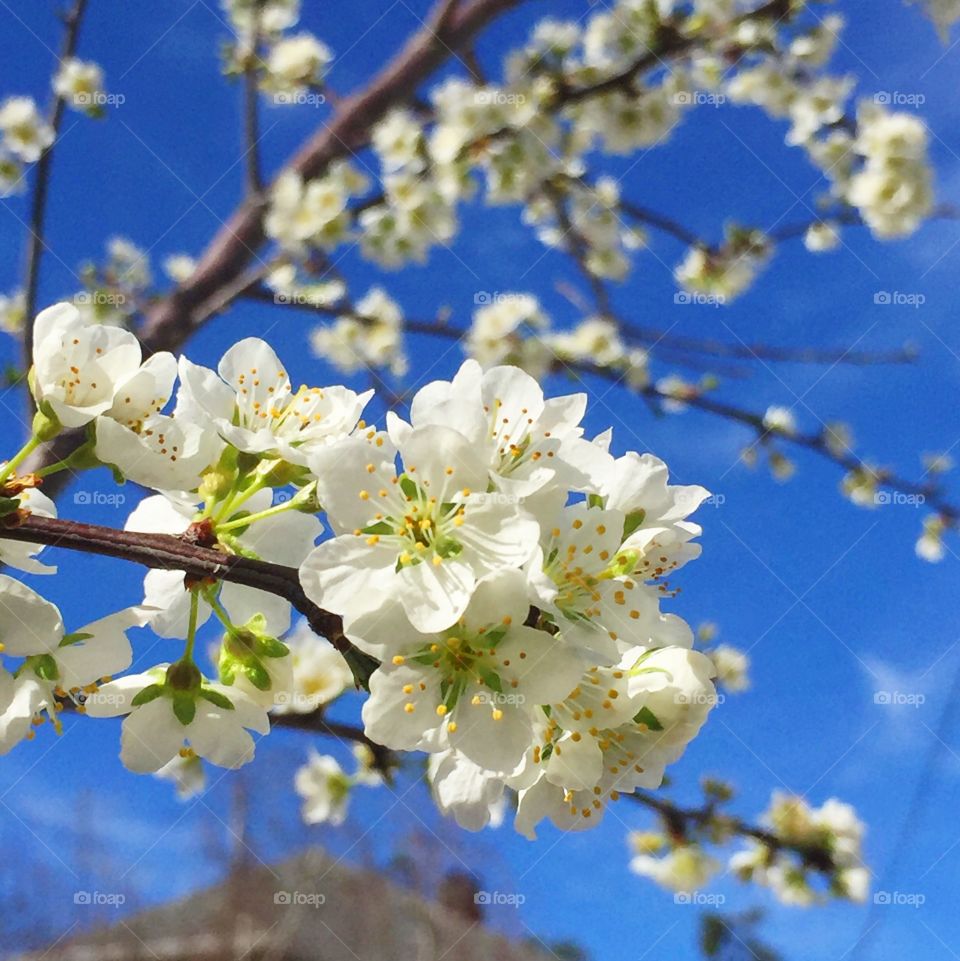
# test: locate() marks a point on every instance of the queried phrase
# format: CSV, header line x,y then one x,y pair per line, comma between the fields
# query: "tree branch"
x,y
171,552
41,187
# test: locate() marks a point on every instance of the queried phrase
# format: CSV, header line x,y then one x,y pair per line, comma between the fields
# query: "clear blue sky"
x,y
829,599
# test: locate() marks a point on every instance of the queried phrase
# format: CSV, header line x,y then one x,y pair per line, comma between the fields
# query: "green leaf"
x,y
491,679
8,505
594,500
74,638
256,674
271,647
633,521
380,528
409,486
185,708
148,694
44,666
217,698
647,717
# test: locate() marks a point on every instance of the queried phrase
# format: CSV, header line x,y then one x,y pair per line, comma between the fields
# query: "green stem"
x,y
259,516
11,465
236,500
192,626
222,615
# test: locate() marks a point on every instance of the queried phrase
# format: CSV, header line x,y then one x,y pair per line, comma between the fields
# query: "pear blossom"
x,y
285,538
179,267
55,663
475,686
21,556
11,182
299,61
686,868
185,771
251,404
372,336
529,442
80,368
151,448
588,754
732,666
25,133
319,673
325,789
79,83
577,579
821,236
466,791
214,723
422,534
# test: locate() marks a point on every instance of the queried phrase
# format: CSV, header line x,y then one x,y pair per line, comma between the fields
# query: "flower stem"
x,y
192,626
259,516
11,465
222,615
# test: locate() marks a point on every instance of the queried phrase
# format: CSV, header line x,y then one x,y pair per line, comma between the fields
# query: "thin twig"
x,y
41,188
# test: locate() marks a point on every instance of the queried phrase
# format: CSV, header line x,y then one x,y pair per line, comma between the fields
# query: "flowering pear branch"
x,y
170,552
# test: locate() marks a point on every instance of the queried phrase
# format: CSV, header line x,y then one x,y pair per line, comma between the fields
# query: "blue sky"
x,y
829,599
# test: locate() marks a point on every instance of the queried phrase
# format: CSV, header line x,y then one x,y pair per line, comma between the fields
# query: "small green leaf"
x,y
491,679
632,522
255,673
74,638
185,708
409,486
217,698
647,717
150,693
8,505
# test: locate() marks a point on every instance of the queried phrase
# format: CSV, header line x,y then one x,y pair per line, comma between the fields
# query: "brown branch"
x,y
170,552
680,821
173,319
315,722
251,106
41,188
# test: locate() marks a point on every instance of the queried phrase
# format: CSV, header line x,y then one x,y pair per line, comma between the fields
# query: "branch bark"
x,y
171,552
41,187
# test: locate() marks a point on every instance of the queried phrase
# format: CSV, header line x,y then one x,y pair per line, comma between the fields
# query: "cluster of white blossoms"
x,y
24,135
579,90
79,84
325,787
513,328
288,65
505,573
833,828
